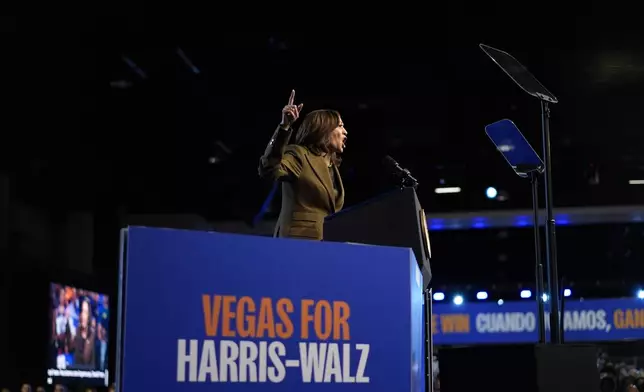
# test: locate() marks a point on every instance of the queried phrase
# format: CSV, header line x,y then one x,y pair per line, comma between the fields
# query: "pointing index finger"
x,y
292,98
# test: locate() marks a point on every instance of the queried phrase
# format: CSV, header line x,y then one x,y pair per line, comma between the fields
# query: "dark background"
x,y
421,96
85,132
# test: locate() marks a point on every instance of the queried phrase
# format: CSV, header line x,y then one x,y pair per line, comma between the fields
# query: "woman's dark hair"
x,y
315,132
90,311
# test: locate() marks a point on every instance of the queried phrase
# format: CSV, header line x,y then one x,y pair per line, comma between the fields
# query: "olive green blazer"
x,y
308,195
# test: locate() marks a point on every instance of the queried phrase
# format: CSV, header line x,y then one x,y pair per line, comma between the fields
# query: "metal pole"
x,y
551,243
538,266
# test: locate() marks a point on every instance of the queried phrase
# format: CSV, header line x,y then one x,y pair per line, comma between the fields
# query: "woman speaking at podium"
x,y
308,170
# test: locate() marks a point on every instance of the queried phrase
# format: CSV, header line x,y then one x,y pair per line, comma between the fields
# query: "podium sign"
x,y
206,311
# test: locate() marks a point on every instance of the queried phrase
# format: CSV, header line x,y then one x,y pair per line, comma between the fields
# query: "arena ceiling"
x,y
157,122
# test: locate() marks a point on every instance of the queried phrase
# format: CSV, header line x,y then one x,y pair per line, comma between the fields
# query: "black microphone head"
x,y
389,162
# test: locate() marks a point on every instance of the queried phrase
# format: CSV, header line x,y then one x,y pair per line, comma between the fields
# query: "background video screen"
x,y
79,335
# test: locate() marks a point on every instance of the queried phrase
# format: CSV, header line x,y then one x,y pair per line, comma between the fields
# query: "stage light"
x,y
447,189
458,300
640,294
544,297
522,221
526,294
481,295
219,152
478,223
491,192
438,296
562,219
636,182
499,302
567,293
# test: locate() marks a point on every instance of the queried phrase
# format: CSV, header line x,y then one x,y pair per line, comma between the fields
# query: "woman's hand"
x,y
291,112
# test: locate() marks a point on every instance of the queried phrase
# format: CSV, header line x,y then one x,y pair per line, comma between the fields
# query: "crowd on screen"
x,y
79,329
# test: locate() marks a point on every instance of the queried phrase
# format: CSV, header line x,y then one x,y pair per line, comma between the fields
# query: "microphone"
x,y
407,178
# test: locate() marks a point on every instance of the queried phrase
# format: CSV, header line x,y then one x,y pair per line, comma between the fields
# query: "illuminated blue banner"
x,y
209,311
516,322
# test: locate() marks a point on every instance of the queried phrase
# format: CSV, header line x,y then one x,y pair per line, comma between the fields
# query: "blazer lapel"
x,y
322,173
339,201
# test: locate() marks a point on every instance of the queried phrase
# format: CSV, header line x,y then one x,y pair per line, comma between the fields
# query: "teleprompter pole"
x,y
551,243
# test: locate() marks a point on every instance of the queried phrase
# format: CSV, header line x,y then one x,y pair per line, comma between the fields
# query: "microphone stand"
x,y
404,176
405,181
408,182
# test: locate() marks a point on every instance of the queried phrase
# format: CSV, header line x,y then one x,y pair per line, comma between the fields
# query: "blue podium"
x,y
204,311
